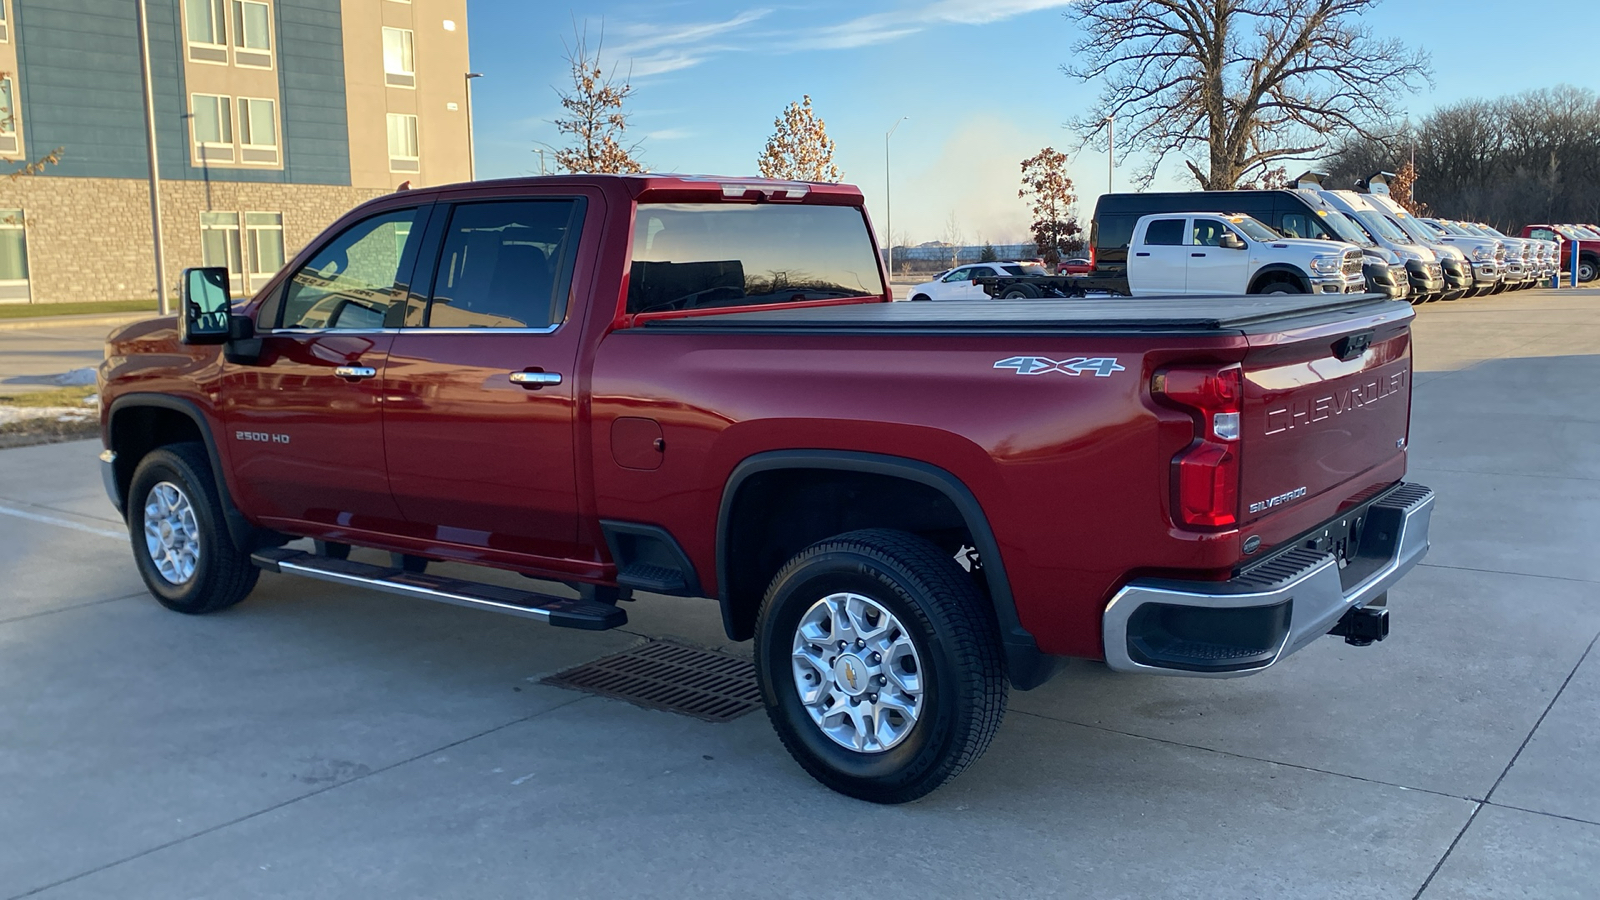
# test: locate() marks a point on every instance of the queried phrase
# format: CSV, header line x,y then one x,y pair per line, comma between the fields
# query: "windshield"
x,y
1381,226
1455,228
1254,229
1589,232
1024,269
1418,233
1346,229
1493,231
700,255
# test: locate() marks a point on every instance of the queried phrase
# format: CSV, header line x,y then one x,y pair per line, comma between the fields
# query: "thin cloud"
x,y
883,27
655,49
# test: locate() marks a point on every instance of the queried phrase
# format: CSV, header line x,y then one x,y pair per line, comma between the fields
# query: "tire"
x,y
216,574
921,298
1021,292
958,664
1280,287
1588,269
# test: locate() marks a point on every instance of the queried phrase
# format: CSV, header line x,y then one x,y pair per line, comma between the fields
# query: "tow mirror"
x,y
206,306
1230,241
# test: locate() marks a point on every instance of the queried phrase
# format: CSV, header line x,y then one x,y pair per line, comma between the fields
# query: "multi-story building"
x,y
272,118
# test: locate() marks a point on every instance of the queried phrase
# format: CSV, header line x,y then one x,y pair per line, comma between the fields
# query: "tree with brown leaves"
x,y
596,122
1403,189
1048,190
799,149
1236,87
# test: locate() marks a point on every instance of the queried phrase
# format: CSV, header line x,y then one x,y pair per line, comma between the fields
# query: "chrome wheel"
x,y
171,534
857,673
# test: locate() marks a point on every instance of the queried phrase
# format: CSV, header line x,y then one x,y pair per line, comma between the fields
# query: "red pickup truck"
x,y
700,387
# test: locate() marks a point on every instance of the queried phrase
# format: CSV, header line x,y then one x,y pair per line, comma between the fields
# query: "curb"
x,y
69,321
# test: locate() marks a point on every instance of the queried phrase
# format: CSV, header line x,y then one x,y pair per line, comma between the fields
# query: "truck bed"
x,y
1120,314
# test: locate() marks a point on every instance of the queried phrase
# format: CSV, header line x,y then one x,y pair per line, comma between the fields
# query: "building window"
x,y
264,243
403,156
219,244
207,30
258,130
213,127
399,58
5,23
252,34
13,257
10,144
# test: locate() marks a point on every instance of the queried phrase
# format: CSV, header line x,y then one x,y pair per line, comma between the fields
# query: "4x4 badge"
x,y
1101,366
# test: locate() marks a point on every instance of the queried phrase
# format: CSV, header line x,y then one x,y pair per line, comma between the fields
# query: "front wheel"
x,y
1588,269
1280,287
184,552
880,665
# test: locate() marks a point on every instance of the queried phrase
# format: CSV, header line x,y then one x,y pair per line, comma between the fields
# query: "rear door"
x,y
1322,407
1159,260
480,392
1213,268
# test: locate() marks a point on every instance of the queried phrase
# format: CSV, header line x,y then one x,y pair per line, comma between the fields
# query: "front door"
x,y
1213,268
479,392
1160,259
304,422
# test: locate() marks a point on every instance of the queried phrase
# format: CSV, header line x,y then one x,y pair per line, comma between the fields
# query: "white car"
x,y
957,284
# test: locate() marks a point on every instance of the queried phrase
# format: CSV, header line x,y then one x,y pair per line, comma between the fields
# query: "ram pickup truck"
x,y
699,387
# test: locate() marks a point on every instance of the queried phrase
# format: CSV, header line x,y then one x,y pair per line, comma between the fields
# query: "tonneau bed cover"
x,y
1186,313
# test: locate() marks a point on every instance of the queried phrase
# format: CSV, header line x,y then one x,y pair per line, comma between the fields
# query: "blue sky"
x,y
979,79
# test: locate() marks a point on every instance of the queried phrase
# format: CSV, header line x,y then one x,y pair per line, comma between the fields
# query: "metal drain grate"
x,y
704,684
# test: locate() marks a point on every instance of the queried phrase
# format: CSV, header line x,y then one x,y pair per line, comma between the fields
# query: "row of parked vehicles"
x,y
1308,239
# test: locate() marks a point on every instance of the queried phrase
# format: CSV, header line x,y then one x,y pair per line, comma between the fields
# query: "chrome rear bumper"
x,y
1242,626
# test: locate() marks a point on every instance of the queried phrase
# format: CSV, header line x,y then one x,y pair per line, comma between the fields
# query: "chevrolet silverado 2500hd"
x,y
699,387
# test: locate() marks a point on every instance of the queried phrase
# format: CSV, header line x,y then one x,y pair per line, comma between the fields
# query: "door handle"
x,y
1141,253
535,380
355,373
1197,254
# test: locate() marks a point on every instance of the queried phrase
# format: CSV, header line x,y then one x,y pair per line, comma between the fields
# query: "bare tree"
x,y
1236,86
799,149
953,239
1048,190
1511,161
595,122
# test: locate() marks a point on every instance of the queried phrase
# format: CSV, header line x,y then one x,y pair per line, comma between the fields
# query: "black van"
x,y
1294,213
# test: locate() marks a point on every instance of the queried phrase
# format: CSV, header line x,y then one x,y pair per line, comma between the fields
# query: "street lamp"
x,y
888,197
472,161
1111,151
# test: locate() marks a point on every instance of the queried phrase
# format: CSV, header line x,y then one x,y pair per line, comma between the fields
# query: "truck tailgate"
x,y
1322,406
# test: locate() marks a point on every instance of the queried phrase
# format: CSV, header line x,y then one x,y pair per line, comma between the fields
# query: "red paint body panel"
x,y
443,456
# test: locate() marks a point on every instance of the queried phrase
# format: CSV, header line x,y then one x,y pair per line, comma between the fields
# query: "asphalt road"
x,y
325,742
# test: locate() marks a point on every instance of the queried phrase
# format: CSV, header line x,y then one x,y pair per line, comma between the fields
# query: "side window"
x,y
1208,233
962,274
1302,225
1164,233
506,264
1543,234
351,282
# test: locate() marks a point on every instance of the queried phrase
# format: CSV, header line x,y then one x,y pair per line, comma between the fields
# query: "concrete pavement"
x,y
325,742
28,358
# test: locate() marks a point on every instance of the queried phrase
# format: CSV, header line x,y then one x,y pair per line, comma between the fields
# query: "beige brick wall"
x,y
89,238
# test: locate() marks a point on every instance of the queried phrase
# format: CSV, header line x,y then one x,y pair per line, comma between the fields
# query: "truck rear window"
x,y
701,255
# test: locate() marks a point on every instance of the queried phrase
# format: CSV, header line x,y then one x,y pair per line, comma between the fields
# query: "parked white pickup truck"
x,y
1207,253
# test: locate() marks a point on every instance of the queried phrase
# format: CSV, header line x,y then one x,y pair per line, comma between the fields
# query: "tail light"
x,y
1205,476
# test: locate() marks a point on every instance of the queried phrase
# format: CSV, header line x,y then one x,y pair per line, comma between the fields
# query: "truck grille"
x,y
1352,262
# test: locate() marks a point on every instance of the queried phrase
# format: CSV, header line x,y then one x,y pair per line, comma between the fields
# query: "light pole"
x,y
155,164
472,159
888,197
1111,151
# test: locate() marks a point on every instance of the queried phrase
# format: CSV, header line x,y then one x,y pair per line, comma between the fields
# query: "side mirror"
x,y
1230,241
206,307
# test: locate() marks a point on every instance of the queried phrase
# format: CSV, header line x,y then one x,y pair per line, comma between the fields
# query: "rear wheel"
x,y
880,665
1021,292
184,552
1588,269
